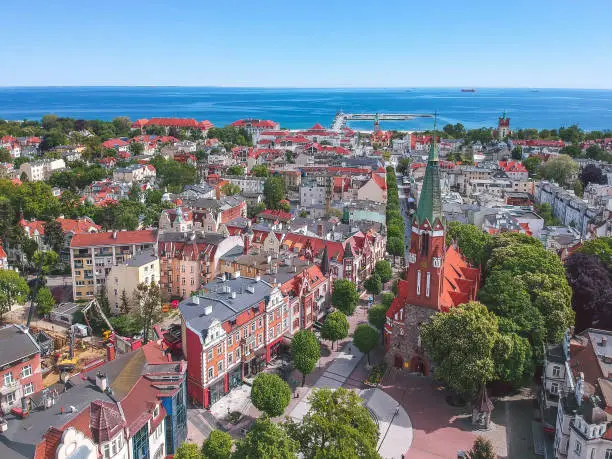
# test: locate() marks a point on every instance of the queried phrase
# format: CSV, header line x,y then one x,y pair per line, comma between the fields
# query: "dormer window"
x,y
155,411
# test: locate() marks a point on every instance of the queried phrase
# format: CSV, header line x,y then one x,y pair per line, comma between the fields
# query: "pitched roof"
x,y
430,200
114,238
15,344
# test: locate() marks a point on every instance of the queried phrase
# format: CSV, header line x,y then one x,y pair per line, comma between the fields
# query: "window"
x,y
26,371
259,339
219,349
229,340
183,268
278,329
8,379
192,282
156,411
157,432
427,282
106,451
209,355
210,373
253,327
270,317
28,388
237,354
578,448
230,358
609,454
259,323
556,371
10,398
418,285
220,366
271,333
554,388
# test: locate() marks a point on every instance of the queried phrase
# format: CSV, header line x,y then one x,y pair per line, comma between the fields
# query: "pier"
x,y
341,119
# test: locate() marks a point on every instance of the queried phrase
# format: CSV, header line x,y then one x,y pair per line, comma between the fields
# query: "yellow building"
x,y
92,256
142,267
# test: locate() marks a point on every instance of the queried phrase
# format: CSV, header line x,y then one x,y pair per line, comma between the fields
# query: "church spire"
x,y
430,201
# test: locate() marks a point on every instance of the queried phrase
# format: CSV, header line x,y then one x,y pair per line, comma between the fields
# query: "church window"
x,y
425,244
427,285
418,282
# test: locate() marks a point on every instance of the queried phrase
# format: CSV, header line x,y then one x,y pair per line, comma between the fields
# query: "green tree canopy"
x,y
345,296
274,192
482,449
403,166
365,339
235,170
445,343
377,316
472,241
266,440
373,284
270,394
532,164
600,246
337,425
561,169
230,189
305,352
44,301
54,234
147,307
260,170
188,451
335,327
13,289
387,299
383,269
218,445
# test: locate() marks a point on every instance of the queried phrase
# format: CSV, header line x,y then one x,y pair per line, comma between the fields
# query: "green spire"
x,y
430,201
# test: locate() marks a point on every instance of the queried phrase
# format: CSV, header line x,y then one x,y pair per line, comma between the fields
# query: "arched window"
x,y
425,244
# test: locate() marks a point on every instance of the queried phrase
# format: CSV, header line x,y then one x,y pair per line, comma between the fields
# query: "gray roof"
x,y
141,259
16,344
196,237
224,307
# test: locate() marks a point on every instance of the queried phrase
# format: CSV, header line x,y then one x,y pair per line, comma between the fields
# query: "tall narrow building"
x,y
437,277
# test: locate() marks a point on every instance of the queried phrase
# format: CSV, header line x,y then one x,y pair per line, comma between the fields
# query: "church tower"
x,y
503,127
427,239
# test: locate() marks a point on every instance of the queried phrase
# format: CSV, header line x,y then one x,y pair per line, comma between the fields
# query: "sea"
x,y
302,108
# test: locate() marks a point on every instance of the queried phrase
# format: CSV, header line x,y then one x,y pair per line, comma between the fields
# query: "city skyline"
x,y
314,45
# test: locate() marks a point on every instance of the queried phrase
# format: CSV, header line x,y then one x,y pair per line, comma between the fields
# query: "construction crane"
x,y
94,303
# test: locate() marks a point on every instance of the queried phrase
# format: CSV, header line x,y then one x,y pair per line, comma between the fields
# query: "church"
x,y
437,277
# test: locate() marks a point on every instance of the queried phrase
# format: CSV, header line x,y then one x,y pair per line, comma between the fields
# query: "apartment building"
x,y
37,171
92,256
141,268
20,371
230,329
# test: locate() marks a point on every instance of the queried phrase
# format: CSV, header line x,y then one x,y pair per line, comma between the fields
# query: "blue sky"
x,y
409,43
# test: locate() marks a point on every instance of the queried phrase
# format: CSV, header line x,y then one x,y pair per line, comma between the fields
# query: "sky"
x,y
332,43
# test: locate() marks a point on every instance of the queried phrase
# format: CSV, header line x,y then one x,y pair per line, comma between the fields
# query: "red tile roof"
x,y
380,181
121,238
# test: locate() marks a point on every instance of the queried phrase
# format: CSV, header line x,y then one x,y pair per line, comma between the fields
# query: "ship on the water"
x,y
468,90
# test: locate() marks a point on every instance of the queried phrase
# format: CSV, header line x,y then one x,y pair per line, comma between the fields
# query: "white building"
x,y
37,171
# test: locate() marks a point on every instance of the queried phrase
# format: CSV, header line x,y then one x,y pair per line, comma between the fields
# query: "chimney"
x,y
208,310
247,244
110,352
233,294
195,299
603,341
320,229
101,381
236,274
114,234
257,278
25,406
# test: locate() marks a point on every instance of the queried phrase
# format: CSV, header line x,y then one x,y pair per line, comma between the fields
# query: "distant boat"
x,y
468,90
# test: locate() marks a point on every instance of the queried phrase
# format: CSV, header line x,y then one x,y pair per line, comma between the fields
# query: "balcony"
x,y
9,388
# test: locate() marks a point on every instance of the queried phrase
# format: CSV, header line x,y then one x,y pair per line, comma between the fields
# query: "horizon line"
x,y
291,87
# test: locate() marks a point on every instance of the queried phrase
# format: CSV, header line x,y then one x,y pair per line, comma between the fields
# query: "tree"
x,y
235,170
560,169
188,451
592,174
147,307
337,425
345,296
305,352
54,234
230,189
136,148
218,445
572,134
270,394
274,191
403,165
395,246
472,241
260,170
373,285
591,284
387,299
517,153
571,150
335,327
5,156
383,270
44,301
266,440
365,339
532,164
602,247
482,449
513,359
377,316
596,152
444,340
13,289
546,212
124,303
252,211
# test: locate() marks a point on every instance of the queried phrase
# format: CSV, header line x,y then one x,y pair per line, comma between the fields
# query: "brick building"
x,y
437,277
